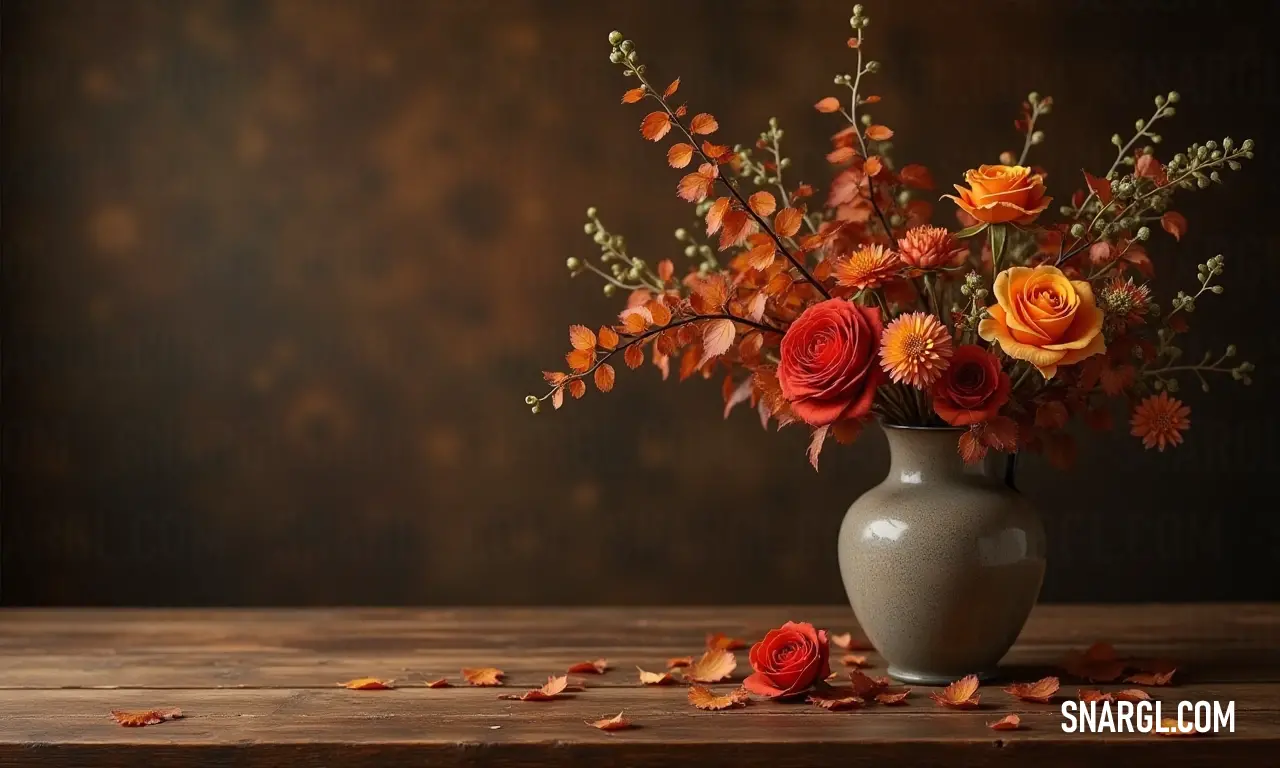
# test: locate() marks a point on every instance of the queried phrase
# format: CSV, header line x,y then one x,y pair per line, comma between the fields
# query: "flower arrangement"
x,y
830,313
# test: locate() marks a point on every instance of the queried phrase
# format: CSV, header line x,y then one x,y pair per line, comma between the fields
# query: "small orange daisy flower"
x,y
1159,421
867,267
916,349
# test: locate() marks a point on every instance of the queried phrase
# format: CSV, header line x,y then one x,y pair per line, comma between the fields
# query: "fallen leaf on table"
x,y
865,685
721,641
575,684
1091,694
1170,727
368,684
1006,723
1097,663
894,698
1040,691
145,717
714,666
843,697
597,667
1151,678
615,723
853,660
846,642
655,678
483,676
679,661
1132,694
554,687
962,694
705,698
441,683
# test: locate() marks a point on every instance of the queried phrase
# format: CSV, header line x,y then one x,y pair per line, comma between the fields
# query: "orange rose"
x,y
1002,193
1042,317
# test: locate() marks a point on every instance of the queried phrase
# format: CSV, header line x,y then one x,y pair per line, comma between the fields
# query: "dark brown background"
x,y
277,276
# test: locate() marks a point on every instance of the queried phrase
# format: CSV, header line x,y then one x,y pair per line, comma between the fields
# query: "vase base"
x,y
925,678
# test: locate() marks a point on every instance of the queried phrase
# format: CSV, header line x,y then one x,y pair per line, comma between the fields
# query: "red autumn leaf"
x,y
607,337
853,660
836,698
750,347
1039,692
554,687
715,214
841,155
879,133
1089,694
634,356
763,204
736,228
655,678
704,698
1006,723
679,155
615,723
666,270
655,125
872,166
557,398
761,257
682,110
703,124
962,694
1174,223
916,176
367,684
712,667
146,717
597,667
679,661
717,152
604,377
1100,187
787,222
554,377
893,699
738,394
671,89
1151,678
441,683
865,685
872,99
971,448
581,337
828,105
697,185
816,440
633,95
717,337
577,388
489,676
580,359
1132,694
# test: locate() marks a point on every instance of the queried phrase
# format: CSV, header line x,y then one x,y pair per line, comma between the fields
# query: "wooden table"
x,y
259,689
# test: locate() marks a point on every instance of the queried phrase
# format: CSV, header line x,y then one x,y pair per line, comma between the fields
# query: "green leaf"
x,y
997,235
971,231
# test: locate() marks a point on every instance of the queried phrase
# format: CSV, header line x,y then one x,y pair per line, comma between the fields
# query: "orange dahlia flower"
x,y
915,349
867,267
1042,317
1002,193
927,247
1159,421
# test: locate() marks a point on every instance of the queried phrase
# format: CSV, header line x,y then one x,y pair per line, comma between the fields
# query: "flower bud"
x,y
615,56
610,289
530,400
615,37
589,228
1174,97
681,234
1231,350
1117,140
572,262
1247,146
591,212
691,251
1144,233
1077,230
1037,137
872,66
534,409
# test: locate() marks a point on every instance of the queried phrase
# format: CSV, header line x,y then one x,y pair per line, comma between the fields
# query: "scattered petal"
x,y
597,667
714,665
864,685
615,723
486,676
441,683
705,698
554,687
1091,694
146,717
655,678
679,661
1151,678
962,694
853,660
1006,723
368,684
1132,694
1039,692
844,697
893,699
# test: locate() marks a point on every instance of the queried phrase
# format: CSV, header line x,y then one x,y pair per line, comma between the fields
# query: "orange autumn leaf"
x,y
1006,723
441,683
893,699
828,105
873,165
917,176
762,203
836,698
615,723
607,337
1090,694
787,222
659,312
695,187
604,377
717,152
703,124
634,356
580,360
1169,727
679,661
1132,694
853,660
368,684
597,667
841,155
145,717
655,678
1040,691
554,687
962,694
712,667
1151,678
1098,186
865,685
1174,223
878,133
666,269
489,676
717,337
715,214
581,337
577,388
871,99
635,319
723,642
671,89
633,95
705,698
655,125
679,155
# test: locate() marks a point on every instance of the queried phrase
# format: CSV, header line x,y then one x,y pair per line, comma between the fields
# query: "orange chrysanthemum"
x,y
868,267
915,349
1159,420
929,247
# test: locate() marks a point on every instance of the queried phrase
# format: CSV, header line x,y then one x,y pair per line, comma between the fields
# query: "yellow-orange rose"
x,y
1002,193
1042,317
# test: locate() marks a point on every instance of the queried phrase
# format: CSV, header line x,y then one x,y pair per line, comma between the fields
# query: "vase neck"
x,y
926,455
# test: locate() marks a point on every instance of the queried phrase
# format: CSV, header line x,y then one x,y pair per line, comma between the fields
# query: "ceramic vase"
x,y
942,562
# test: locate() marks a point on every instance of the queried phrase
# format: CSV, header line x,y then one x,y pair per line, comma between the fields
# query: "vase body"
x,y
942,562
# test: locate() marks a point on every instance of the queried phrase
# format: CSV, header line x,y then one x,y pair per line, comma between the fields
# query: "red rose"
x,y
788,660
972,389
828,370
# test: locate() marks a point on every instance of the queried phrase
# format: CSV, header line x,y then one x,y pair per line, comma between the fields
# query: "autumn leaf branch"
x,y
859,22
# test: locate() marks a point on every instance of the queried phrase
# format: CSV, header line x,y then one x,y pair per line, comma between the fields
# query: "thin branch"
x,y
853,120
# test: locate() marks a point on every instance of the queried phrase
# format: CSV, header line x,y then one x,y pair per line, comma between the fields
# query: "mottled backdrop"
x,y
277,276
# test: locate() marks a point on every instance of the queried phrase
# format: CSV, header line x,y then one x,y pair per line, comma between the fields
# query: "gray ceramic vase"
x,y
942,562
